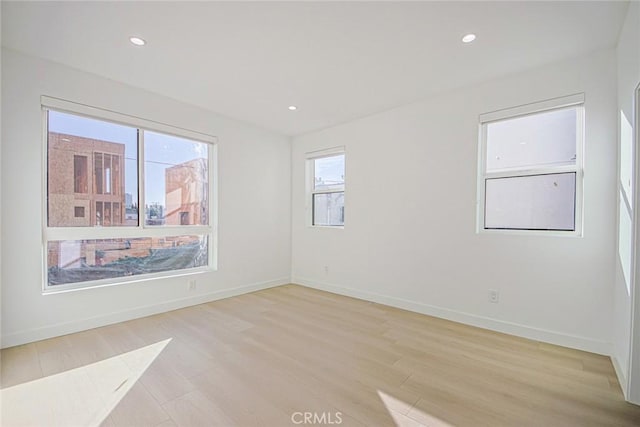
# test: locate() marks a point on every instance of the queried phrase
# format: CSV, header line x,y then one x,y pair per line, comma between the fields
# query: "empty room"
x,y
320,213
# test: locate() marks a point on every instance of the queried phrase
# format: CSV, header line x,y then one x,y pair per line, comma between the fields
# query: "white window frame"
x,y
142,230
311,157
571,101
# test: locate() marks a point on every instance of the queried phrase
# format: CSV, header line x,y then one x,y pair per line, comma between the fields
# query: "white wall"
x,y
410,215
628,59
254,199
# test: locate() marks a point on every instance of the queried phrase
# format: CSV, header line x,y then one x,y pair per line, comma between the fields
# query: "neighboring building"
x,y
154,213
86,188
86,181
131,216
186,187
128,200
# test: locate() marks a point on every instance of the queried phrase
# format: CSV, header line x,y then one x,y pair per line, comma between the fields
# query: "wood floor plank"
x,y
164,383
57,355
195,409
138,408
242,402
19,364
121,338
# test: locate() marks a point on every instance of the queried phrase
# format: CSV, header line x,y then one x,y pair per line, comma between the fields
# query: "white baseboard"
x,y
620,373
565,340
24,337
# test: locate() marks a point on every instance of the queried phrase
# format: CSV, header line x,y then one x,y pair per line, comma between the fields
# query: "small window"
x,y
99,215
80,174
117,215
184,218
326,187
98,173
531,167
78,211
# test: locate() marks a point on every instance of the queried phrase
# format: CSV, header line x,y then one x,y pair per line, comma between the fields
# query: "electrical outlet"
x,y
494,296
326,269
192,285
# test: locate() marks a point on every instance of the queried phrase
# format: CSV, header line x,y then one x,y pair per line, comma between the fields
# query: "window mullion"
x,y
530,172
333,190
142,209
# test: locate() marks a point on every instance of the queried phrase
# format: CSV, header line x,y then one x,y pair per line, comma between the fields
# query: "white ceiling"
x,y
335,60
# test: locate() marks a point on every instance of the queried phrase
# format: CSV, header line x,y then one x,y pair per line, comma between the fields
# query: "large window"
x,y
125,198
325,171
531,167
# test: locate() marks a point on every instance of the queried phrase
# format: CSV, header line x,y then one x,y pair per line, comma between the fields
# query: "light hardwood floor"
x,y
261,358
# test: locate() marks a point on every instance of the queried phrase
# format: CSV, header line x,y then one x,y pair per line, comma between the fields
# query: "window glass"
x,y
329,172
541,139
176,180
534,202
328,209
73,261
626,157
93,162
625,209
625,243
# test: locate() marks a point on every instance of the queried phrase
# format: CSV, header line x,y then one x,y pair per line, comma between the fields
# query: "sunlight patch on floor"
x,y
406,415
83,396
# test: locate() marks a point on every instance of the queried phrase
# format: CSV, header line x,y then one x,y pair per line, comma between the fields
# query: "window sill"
x,y
334,227
530,233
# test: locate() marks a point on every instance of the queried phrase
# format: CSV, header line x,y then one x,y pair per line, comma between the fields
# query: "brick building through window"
x,y
85,176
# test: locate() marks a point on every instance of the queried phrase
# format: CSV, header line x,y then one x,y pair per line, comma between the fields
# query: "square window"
x,y
78,212
531,167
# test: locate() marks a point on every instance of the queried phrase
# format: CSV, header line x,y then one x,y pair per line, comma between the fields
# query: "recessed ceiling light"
x,y
468,38
137,41
293,107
